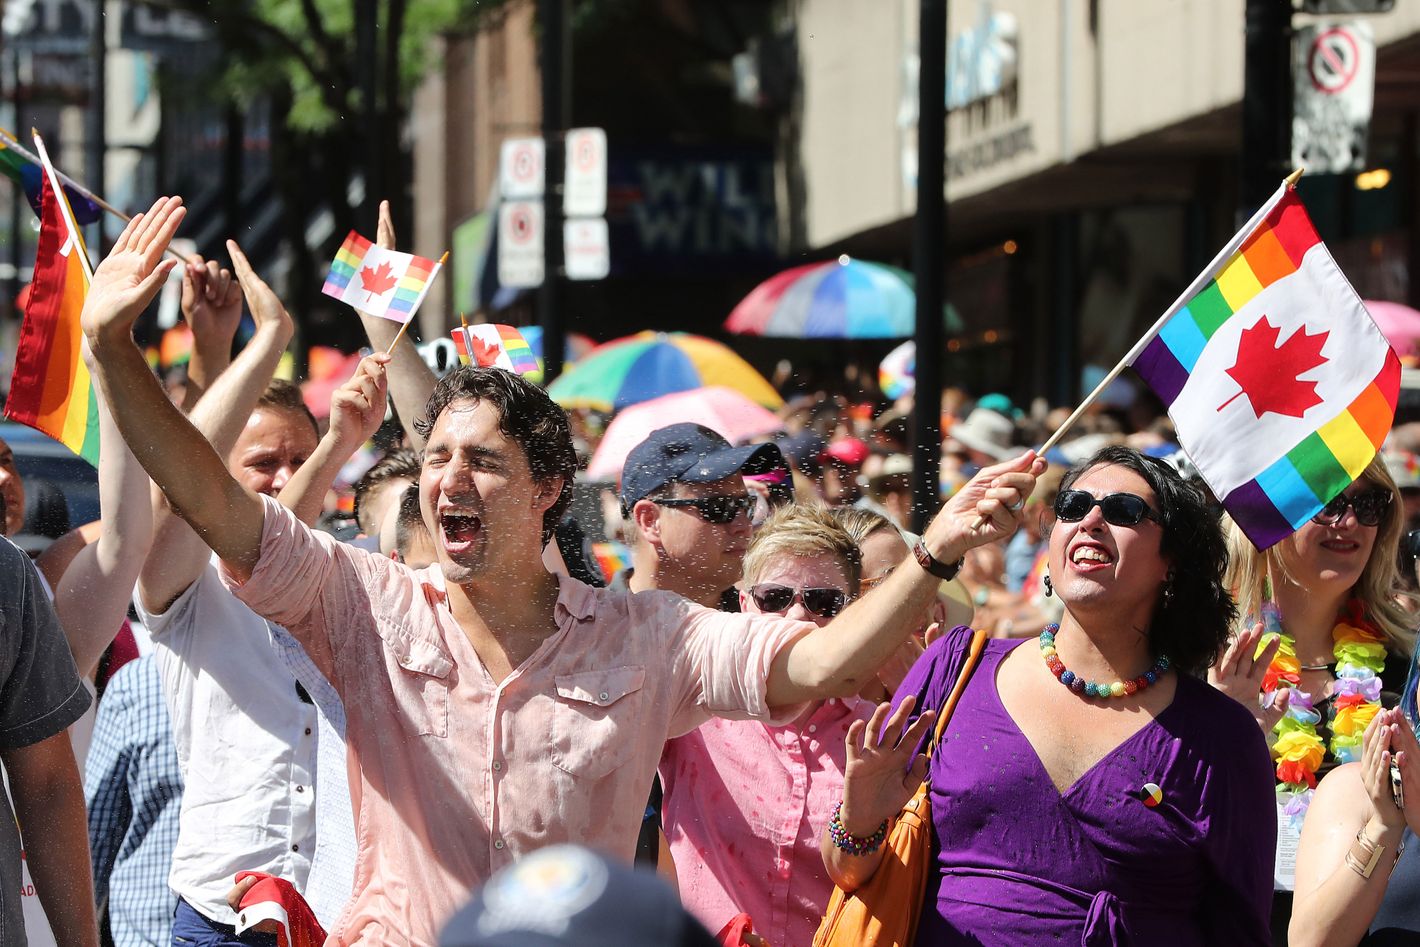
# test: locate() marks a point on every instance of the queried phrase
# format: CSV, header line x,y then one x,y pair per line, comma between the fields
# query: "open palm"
x,y
882,774
130,276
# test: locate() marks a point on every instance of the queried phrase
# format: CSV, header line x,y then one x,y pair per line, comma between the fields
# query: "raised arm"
x,y
212,306
92,596
356,410
410,379
839,658
177,457
179,554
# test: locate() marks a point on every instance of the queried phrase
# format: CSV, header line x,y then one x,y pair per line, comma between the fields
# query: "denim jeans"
x,y
192,929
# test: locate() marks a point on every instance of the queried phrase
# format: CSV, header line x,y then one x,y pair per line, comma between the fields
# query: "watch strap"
x,y
942,570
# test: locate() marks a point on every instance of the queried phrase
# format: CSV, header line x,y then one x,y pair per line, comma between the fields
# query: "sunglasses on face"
x,y
1368,505
825,603
1119,509
719,510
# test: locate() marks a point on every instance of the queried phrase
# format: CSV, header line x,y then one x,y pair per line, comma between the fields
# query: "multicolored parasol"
x,y
647,365
839,299
897,373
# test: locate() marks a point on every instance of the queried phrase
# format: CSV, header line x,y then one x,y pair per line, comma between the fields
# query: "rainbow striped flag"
x,y
51,389
21,166
379,282
1281,387
496,346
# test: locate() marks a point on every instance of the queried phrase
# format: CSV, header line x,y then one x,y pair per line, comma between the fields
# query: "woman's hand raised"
x,y
1239,673
882,774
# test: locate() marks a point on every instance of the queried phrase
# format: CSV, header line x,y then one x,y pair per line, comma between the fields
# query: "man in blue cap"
x,y
683,491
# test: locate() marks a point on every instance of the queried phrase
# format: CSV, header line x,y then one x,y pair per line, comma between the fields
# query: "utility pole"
x,y
95,131
929,257
1267,102
556,104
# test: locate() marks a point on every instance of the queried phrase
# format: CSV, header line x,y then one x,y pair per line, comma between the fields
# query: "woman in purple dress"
x,y
1089,788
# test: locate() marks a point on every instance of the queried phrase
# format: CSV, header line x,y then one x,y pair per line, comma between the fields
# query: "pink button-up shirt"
x,y
452,776
744,807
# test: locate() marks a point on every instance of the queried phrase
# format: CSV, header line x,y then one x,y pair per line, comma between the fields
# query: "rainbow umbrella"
x,y
647,365
840,299
897,373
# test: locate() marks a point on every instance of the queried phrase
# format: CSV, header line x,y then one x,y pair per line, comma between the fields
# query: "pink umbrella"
x,y
1399,324
723,410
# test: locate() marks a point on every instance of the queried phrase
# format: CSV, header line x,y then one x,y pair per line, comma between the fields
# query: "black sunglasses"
x,y
714,509
1369,505
1119,509
780,598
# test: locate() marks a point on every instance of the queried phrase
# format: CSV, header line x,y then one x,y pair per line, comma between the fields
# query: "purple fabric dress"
x,y
1019,863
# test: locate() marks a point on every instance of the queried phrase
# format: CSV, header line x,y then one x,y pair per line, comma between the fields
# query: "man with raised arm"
x,y
493,708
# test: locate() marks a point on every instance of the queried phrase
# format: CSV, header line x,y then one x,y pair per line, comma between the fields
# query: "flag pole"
x,y
415,308
9,141
65,211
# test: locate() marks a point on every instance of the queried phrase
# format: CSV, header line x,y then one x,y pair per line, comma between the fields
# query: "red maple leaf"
x,y
1268,372
378,281
484,355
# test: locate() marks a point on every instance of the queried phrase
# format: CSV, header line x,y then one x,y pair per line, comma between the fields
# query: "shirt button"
x,y
603,697
497,766
308,731
300,789
813,728
498,845
295,848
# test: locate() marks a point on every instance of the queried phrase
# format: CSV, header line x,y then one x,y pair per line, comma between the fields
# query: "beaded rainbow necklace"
x,y
1359,649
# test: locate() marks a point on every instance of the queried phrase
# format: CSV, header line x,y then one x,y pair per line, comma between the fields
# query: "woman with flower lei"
x,y
1327,648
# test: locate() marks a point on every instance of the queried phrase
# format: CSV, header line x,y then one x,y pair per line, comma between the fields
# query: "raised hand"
x,y
1239,673
987,508
881,774
384,231
266,308
358,407
132,274
211,302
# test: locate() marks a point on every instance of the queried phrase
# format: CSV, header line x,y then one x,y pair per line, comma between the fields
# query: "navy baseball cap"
x,y
566,895
689,453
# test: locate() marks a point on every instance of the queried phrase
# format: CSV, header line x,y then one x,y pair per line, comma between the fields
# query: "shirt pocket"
x,y
419,682
595,719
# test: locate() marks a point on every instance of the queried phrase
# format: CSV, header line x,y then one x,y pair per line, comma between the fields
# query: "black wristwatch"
x,y
942,570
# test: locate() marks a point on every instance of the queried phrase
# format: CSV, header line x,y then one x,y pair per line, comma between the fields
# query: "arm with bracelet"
x,y
1354,835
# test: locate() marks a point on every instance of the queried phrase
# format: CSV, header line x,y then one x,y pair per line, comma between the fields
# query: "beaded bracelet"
x,y
854,844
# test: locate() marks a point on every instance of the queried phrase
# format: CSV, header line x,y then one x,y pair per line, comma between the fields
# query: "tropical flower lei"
x,y
1359,649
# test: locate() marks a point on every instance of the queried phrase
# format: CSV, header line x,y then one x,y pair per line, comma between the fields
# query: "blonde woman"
x,y
1340,651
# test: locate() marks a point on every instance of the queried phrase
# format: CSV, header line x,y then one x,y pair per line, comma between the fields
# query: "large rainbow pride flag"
x,y
51,389
1281,387
379,282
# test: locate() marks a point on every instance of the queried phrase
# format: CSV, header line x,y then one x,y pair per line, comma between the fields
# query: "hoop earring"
x,y
1049,589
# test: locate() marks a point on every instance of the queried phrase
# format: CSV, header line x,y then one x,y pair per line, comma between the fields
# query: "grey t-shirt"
x,y
40,695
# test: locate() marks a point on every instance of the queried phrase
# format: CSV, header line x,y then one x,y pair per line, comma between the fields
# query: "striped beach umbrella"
x,y
647,365
839,299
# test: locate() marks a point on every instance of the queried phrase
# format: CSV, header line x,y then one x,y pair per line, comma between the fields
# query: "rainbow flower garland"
x,y
1359,649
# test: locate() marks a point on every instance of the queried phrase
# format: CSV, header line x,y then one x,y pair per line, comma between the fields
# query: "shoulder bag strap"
x,y
973,658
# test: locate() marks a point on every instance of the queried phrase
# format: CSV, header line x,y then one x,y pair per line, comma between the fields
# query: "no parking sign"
x,y
1332,96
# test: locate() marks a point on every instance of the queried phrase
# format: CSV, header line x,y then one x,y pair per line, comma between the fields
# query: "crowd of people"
x,y
411,730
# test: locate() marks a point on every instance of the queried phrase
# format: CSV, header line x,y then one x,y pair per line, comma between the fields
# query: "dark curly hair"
x,y
1192,624
525,414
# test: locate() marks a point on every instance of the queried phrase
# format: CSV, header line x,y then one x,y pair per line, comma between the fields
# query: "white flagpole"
x,y
75,239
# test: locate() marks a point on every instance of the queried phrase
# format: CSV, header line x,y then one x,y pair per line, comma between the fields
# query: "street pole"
x,y
1267,102
929,257
95,130
556,104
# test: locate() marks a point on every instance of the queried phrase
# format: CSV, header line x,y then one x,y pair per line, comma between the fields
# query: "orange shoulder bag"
x,y
884,911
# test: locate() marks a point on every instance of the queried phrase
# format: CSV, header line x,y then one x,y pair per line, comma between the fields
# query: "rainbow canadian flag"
x,y
1281,387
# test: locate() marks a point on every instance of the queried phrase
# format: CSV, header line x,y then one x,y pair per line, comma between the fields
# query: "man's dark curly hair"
x,y
1192,624
525,414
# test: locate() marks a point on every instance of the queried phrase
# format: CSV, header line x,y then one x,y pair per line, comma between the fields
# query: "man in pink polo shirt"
x,y
493,708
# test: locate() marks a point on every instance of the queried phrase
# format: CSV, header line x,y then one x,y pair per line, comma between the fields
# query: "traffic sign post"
x,y
1332,94
522,169
584,181
586,248
520,236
